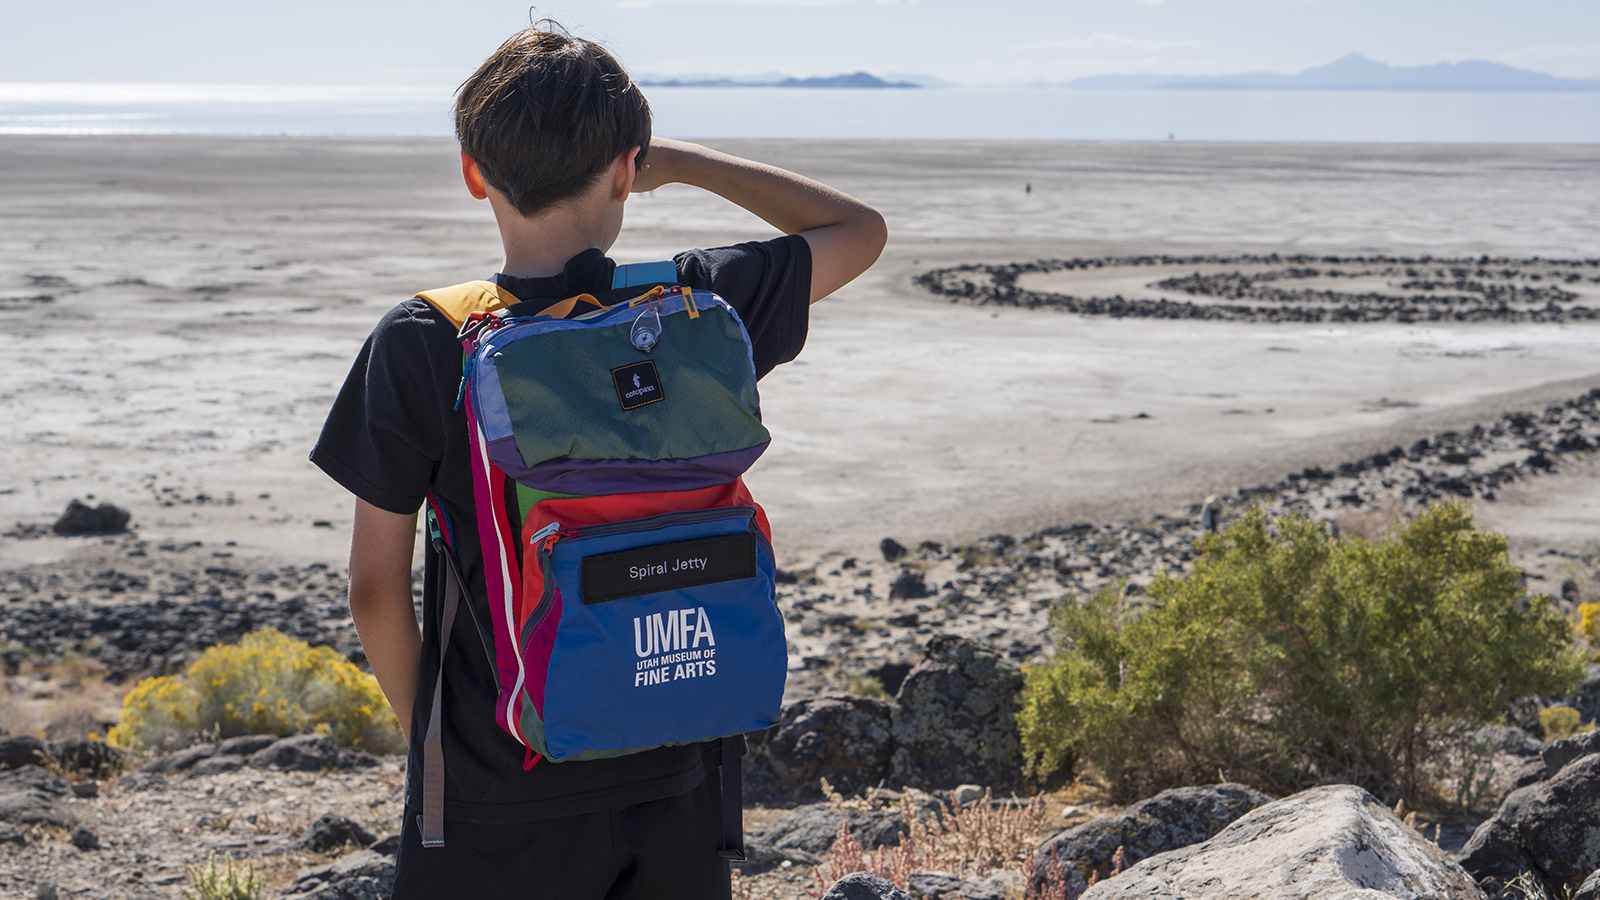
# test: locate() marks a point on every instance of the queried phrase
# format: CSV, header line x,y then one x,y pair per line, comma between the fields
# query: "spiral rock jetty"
x,y
1274,288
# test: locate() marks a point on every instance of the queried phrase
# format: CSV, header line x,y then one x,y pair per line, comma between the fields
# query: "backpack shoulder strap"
x,y
635,274
458,302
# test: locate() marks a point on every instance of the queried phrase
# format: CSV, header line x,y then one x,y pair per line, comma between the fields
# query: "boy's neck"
x,y
539,246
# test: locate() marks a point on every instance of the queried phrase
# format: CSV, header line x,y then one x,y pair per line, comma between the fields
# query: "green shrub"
x,y
1560,722
265,684
1289,658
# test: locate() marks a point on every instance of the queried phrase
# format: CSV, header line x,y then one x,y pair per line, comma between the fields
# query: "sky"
x,y
436,44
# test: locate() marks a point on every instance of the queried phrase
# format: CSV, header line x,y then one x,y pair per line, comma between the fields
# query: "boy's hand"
x,y
845,235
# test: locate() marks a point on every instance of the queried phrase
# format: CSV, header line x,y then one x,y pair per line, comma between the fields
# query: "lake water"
x,y
951,113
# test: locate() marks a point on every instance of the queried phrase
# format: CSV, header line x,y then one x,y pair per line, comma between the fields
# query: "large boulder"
x,y
331,831
1169,820
300,753
32,796
950,886
841,737
805,835
864,886
246,744
954,720
1551,829
18,750
182,759
363,875
81,518
1557,755
99,759
1330,843
21,750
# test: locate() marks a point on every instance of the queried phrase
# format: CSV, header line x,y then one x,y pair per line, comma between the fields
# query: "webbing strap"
x,y
664,272
732,800
432,818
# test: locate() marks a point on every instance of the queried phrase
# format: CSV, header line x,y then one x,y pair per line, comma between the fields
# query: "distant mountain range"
x,y
853,80
1353,73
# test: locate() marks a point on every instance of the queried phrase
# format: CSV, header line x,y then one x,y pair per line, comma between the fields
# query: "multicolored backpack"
x,y
630,574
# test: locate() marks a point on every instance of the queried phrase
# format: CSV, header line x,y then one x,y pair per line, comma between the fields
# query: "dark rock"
x,y
954,719
1529,771
949,886
891,675
805,835
99,759
218,764
891,549
926,885
1551,828
864,886
142,781
80,518
330,831
841,737
1557,755
1585,698
32,796
300,753
181,760
12,835
908,586
246,744
1329,843
363,875
389,843
1169,820
1507,739
351,758
86,790
18,750
84,839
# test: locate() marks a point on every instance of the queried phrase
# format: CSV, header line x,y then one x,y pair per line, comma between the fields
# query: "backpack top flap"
x,y
570,406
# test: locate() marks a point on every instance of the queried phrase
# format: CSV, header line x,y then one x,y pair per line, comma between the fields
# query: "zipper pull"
x,y
554,529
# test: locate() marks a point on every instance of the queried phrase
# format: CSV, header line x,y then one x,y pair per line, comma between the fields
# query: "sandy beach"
x,y
179,312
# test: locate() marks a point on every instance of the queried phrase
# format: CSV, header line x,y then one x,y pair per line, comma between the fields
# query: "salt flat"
x,y
207,296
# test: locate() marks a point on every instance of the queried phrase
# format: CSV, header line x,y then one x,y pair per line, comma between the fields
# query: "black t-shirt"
x,y
394,434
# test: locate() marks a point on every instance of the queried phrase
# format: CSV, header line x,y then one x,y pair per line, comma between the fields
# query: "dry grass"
x,y
66,699
1373,523
972,841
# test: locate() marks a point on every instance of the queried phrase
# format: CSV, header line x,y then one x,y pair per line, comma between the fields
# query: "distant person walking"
x,y
1211,514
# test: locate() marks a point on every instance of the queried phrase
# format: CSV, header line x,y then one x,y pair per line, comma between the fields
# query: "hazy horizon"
x,y
409,43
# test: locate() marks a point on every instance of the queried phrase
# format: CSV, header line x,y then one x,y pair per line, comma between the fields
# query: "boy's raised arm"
x,y
845,235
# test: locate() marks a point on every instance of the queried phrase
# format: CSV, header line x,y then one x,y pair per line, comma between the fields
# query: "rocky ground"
x,y
1300,288
126,608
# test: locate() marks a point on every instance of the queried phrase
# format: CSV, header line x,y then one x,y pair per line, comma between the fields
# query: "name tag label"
x,y
668,567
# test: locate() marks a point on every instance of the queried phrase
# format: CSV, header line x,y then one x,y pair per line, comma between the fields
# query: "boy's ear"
x,y
623,171
473,177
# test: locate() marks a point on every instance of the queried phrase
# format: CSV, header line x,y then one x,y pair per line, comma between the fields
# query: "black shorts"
x,y
660,850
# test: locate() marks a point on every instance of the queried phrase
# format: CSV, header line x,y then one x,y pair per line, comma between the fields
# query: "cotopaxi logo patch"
x,y
637,385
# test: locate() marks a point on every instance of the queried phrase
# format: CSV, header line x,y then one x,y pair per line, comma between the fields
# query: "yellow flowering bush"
x,y
268,683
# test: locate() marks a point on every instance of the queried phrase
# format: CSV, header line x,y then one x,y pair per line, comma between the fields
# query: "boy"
x,y
555,136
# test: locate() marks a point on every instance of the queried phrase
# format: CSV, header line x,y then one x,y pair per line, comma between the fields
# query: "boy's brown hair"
x,y
546,114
